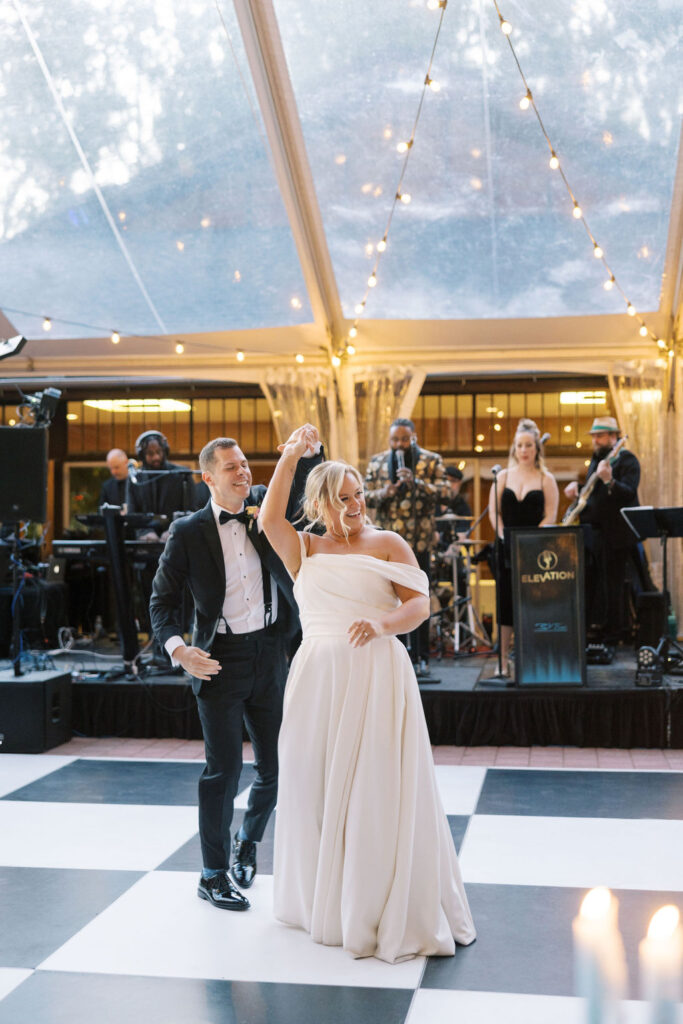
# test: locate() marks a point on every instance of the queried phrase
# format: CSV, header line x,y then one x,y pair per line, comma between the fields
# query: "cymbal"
x,y
450,517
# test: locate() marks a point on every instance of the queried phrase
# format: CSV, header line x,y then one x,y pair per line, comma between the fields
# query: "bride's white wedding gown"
x,y
363,852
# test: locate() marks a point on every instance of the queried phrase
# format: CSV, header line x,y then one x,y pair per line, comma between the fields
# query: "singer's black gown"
x,y
527,512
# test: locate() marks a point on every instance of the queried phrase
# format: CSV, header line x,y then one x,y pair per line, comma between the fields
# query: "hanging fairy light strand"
x,y
400,196
555,164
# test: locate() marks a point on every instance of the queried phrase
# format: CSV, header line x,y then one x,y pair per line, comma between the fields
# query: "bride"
x,y
363,852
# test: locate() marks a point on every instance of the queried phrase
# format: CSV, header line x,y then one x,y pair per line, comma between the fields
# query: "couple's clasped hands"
x,y
304,440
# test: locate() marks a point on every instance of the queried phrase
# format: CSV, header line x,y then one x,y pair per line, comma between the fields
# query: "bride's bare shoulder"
x,y
393,548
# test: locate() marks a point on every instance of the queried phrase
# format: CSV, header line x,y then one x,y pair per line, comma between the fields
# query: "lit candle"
x,y
599,961
661,962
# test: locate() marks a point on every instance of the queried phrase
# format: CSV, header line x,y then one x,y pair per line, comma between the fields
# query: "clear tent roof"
x,y
137,193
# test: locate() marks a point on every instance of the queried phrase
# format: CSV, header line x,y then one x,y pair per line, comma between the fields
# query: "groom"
x,y
244,614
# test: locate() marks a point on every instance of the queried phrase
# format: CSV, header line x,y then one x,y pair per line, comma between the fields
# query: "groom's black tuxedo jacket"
x,y
193,555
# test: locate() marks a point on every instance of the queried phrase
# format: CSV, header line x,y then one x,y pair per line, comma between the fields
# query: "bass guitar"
x,y
574,511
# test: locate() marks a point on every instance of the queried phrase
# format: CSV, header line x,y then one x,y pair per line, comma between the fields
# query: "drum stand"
x,y
468,629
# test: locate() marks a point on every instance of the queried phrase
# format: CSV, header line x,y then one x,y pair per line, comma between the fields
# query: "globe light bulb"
x,y
434,86
405,197
299,358
47,324
381,246
239,356
609,284
403,147
336,361
353,332
351,350
180,348
597,251
525,101
360,306
553,163
631,309
643,332
372,281
577,211
661,343
115,337
505,26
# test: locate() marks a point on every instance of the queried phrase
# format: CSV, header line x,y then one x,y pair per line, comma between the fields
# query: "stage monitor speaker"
x,y
35,712
23,468
650,616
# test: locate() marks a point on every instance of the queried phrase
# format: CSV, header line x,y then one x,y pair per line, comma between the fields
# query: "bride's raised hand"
x,y
300,441
362,631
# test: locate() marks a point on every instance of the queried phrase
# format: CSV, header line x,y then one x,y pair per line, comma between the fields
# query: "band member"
x,y
452,503
172,490
113,491
403,485
611,541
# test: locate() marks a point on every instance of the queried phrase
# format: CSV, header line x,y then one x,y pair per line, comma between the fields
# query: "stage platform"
x,y
610,711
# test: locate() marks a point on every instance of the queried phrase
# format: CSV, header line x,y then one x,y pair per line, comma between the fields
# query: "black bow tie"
x,y
226,517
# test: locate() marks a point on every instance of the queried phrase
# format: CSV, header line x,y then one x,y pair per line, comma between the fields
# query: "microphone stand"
x,y
499,679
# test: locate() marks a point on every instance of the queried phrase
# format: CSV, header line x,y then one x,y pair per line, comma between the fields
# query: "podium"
x,y
548,604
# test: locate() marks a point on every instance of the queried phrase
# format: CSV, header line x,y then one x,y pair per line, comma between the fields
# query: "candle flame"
x,y
664,923
596,904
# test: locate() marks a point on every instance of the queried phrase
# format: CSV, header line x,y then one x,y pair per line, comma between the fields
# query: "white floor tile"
x,y
242,799
17,770
436,1006
123,837
459,787
584,852
160,928
10,977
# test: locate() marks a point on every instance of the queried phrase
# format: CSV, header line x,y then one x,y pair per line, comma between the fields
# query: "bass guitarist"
x,y
610,544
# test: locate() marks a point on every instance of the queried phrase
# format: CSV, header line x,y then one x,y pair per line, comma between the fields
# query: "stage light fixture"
x,y
11,346
649,667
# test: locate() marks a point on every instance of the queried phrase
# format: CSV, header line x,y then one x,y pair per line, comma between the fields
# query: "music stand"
x,y
648,522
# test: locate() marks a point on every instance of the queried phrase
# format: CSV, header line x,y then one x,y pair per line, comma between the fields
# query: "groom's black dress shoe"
x,y
220,891
243,862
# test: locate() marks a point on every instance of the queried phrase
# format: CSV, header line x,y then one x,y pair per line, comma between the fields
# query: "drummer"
x,y
452,504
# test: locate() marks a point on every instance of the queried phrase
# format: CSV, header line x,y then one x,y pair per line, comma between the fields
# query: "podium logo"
x,y
547,560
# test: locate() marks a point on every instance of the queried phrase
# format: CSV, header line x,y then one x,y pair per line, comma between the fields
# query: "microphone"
x,y
133,471
543,438
496,470
400,459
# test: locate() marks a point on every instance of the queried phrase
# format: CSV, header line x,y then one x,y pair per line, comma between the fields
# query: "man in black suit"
x,y
162,488
113,491
244,613
611,542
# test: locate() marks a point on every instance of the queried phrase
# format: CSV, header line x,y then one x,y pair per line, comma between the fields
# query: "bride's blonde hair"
x,y
323,487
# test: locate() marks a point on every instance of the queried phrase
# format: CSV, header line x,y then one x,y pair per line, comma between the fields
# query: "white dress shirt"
x,y
243,605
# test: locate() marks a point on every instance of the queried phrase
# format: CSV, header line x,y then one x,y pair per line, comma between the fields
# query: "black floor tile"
x,y
458,824
589,794
166,783
55,998
40,908
524,939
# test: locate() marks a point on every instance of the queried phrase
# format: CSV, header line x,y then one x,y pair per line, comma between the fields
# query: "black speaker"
x,y
650,616
23,470
35,712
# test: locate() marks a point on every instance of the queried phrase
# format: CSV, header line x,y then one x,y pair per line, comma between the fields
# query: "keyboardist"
x,y
172,490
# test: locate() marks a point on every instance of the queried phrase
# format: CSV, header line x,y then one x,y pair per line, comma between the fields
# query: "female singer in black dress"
x,y
527,496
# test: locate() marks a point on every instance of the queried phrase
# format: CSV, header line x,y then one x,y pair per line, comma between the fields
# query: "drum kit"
x,y
468,632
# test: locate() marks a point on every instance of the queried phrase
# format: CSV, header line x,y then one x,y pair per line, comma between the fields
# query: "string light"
x,y
180,348
351,350
353,332
372,280
239,355
47,324
381,246
115,337
360,306
431,84
299,357
336,361
661,343
403,147
404,197
554,163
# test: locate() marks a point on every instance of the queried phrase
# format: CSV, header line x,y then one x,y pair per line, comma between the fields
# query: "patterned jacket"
x,y
396,513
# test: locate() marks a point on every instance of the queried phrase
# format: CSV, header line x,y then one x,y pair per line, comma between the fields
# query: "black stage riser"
x,y
585,718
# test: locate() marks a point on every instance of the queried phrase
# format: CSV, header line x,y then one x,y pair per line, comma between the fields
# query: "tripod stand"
x,y
648,522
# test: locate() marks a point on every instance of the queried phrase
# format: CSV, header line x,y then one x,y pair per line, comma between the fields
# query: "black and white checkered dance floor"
x,y
100,922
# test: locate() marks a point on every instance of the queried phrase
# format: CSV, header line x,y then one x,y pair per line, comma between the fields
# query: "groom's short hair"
x,y
207,455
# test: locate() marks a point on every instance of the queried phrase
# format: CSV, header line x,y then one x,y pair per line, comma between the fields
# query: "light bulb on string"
x,y
239,355
525,101
554,162
631,309
643,331
577,212
360,306
353,333
180,348
403,147
432,84
597,251
351,350
299,357
336,361
404,197
381,246
505,26
47,324
672,353
115,337
661,343
372,281
609,283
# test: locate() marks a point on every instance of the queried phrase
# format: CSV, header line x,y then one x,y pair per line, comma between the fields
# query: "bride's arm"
x,y
412,611
272,516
